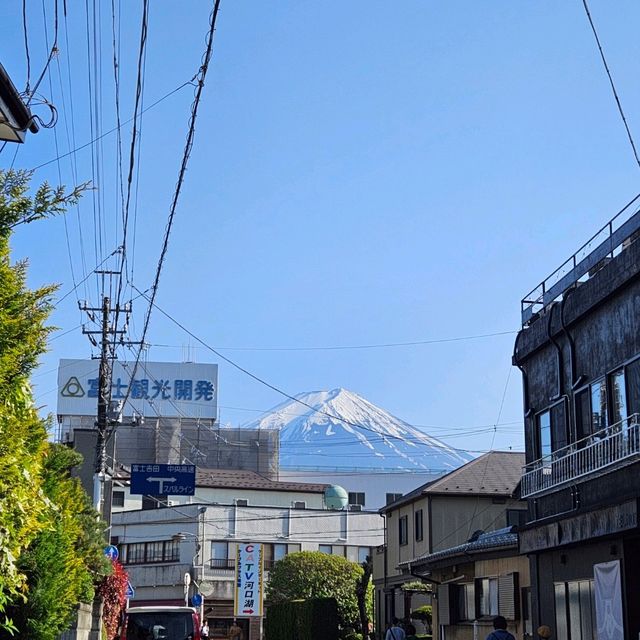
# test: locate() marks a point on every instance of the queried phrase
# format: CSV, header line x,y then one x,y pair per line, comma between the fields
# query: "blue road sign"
x,y
163,479
130,592
196,600
111,552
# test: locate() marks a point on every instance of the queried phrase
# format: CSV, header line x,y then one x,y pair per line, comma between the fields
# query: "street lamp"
x,y
181,536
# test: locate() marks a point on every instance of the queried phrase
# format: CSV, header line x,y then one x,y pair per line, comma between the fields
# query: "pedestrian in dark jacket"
x,y
500,630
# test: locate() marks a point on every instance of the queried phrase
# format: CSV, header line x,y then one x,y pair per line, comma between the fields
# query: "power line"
x,y
201,76
384,345
26,44
106,133
259,379
613,87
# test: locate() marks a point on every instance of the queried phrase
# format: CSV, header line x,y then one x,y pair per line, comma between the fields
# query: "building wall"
x,y
589,334
455,518
448,520
374,484
463,571
228,495
346,532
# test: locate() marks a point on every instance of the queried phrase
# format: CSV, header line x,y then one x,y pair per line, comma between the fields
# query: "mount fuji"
x,y
344,430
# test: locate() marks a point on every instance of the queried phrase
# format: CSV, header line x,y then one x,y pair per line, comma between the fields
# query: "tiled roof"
x,y
490,541
243,479
496,473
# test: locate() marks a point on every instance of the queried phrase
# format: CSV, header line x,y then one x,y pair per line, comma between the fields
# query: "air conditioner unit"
x,y
172,503
242,503
299,504
355,507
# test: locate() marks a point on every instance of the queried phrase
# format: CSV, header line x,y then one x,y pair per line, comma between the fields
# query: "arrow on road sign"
x,y
161,481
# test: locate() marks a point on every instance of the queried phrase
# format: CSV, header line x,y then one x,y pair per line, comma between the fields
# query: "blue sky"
x,y
362,173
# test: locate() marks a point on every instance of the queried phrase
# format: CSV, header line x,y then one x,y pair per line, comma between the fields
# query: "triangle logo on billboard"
x,y
73,388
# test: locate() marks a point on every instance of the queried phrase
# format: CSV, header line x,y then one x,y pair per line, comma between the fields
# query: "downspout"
x,y
559,359
525,378
385,574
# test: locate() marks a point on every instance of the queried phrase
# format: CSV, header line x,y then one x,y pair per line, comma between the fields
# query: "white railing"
x,y
617,445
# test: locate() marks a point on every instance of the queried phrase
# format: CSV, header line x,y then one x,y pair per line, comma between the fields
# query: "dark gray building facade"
x,y
579,354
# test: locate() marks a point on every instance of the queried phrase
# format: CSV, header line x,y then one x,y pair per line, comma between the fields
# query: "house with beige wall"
x,y
482,495
475,582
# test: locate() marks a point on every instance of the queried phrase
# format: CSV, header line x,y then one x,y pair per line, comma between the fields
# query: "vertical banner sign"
x,y
608,600
249,581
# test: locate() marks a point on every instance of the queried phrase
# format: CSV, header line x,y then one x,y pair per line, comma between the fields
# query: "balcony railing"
x,y
604,244
222,563
617,445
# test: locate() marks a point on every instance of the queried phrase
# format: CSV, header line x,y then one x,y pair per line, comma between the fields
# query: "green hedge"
x,y
314,619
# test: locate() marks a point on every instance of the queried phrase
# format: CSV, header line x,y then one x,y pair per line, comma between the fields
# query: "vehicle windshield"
x,y
161,625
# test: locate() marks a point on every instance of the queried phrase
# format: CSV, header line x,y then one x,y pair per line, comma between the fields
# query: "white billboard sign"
x,y
247,602
166,389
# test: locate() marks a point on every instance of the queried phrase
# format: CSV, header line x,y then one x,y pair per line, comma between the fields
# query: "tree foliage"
x,y
27,512
66,558
112,590
312,574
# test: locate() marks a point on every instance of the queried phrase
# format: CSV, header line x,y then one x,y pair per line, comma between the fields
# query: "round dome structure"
x,y
335,497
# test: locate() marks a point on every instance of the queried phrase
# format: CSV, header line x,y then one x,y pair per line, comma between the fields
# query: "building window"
x,y
419,527
544,434
618,397
599,406
325,548
117,499
402,530
466,602
363,554
575,610
273,553
584,423
150,552
356,497
392,497
487,594
220,556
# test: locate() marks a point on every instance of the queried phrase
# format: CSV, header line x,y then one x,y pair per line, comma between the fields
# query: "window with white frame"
x,y
487,597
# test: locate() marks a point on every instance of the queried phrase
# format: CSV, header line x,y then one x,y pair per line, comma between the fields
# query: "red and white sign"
x,y
249,581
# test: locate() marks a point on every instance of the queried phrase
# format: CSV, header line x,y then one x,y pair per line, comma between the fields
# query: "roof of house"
x,y
244,479
240,479
500,539
10,96
496,473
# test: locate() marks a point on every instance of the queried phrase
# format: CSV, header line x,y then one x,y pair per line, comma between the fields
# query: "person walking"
x,y
235,632
395,631
204,631
500,630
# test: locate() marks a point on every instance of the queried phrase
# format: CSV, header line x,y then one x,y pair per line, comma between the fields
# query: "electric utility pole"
x,y
110,335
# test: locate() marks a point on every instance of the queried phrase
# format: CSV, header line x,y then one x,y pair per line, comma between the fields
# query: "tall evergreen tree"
x,y
29,509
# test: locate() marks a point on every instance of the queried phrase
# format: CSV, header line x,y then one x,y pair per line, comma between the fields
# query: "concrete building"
x,y
198,537
481,495
579,353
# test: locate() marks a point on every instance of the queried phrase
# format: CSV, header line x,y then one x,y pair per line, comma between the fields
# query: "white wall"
x,y
375,484
228,496
205,524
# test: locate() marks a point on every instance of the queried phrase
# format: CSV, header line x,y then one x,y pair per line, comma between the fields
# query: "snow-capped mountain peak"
x,y
340,428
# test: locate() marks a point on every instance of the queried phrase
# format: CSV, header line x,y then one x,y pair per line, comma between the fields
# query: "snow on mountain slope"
x,y
344,430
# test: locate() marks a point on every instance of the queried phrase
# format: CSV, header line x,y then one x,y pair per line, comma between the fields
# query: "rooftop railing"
x,y
615,446
591,256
